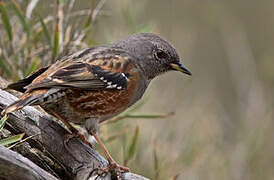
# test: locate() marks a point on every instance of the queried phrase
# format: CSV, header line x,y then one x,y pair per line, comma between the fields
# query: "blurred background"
x,y
217,124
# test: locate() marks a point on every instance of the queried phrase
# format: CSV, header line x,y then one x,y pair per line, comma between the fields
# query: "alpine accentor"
x,y
95,84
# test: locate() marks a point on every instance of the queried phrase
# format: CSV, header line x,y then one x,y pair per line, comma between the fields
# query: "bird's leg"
x,y
74,132
92,128
112,164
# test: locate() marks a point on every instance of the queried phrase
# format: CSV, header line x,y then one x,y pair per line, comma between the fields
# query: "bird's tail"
x,y
26,99
35,97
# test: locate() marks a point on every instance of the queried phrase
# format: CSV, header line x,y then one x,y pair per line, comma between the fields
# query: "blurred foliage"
x,y
223,124
34,40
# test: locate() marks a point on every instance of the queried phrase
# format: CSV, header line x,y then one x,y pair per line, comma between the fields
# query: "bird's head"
x,y
154,54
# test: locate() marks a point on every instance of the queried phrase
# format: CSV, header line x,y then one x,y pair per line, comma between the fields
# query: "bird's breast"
x,y
103,104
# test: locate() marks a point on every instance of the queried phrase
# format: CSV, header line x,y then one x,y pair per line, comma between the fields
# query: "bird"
x,y
95,84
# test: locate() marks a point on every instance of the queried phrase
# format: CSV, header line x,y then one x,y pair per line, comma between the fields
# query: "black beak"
x,y
180,67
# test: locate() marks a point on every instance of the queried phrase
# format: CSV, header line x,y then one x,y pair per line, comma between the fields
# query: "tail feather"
x,y
20,85
29,100
35,97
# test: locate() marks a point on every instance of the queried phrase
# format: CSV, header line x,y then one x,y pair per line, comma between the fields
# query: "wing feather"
x,y
101,73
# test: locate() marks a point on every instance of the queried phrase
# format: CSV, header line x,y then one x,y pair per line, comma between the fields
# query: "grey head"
x,y
153,54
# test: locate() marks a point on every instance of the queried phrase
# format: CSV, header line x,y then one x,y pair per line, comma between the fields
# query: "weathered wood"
x,y
72,160
14,166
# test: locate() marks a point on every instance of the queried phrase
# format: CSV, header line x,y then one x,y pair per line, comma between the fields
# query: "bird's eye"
x,y
160,54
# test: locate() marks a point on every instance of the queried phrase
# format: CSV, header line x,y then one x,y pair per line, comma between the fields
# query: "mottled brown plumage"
x,y
97,83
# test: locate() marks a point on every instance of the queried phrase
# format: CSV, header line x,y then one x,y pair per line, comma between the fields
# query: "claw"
x,y
115,169
113,166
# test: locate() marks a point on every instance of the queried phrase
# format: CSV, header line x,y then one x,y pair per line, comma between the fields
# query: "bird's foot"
x,y
81,137
115,169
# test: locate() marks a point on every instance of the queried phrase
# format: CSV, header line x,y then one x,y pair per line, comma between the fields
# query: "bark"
x,y
15,166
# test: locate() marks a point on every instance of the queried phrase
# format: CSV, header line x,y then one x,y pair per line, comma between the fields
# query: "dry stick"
x,y
77,161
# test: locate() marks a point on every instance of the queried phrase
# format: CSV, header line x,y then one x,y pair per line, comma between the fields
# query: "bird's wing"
x,y
108,70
